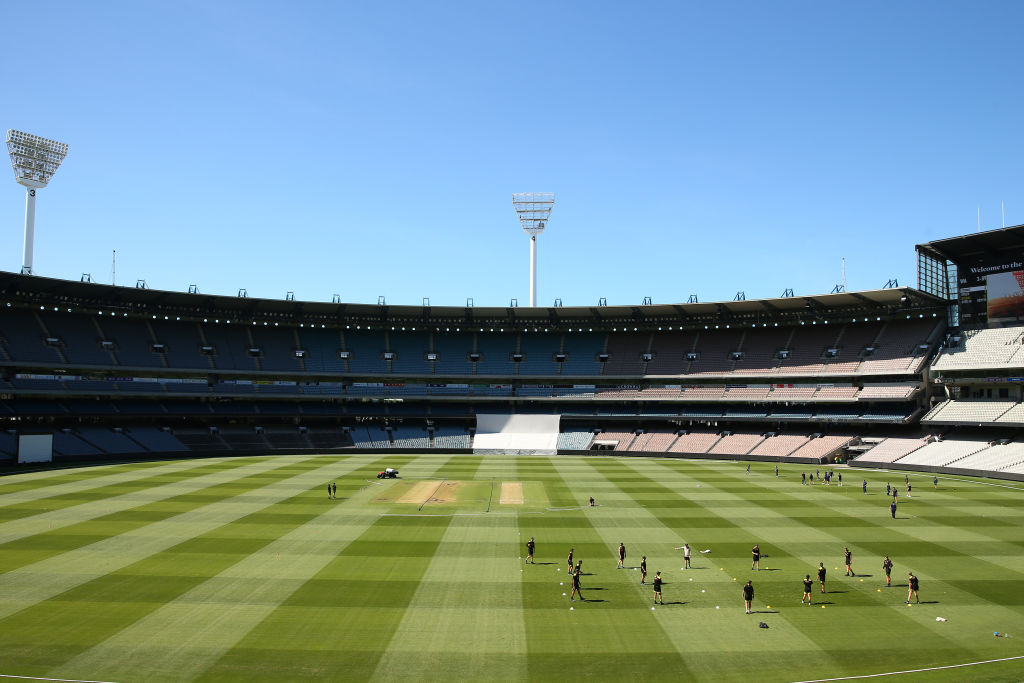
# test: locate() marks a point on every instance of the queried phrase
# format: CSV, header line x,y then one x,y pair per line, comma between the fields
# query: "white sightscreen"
x,y
35,448
533,433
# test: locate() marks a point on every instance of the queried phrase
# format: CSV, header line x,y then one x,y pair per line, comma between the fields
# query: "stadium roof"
x,y
29,290
978,245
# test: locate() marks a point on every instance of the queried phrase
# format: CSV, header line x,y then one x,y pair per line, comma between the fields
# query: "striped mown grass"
x,y
242,569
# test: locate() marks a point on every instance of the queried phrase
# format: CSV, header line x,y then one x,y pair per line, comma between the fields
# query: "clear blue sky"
x,y
372,149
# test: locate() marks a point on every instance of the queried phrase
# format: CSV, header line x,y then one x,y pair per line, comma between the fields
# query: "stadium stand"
x,y
884,391
660,441
994,458
1014,414
241,378
892,449
943,453
779,445
694,442
67,443
496,351
569,440
983,349
736,444
623,440
822,446
973,412
407,436
581,350
451,437
625,353
410,349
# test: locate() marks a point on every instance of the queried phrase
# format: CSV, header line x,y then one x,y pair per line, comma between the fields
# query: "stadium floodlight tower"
x,y
35,160
533,209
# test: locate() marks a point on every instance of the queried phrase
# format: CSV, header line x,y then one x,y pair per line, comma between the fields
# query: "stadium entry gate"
x,y
516,434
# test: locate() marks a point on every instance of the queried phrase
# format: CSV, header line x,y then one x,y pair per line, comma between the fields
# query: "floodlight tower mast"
x,y
533,209
35,160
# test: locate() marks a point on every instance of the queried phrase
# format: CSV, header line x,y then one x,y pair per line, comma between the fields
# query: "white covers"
x,y
535,434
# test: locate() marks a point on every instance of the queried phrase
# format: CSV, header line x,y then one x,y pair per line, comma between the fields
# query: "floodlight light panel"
x,y
533,209
33,158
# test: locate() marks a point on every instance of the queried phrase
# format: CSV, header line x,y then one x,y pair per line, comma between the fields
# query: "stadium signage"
x,y
977,270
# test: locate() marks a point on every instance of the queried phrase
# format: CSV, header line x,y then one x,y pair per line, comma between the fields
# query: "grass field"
x,y
241,568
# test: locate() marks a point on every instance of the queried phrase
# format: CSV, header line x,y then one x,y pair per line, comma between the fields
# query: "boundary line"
x,y
62,680
911,671
942,476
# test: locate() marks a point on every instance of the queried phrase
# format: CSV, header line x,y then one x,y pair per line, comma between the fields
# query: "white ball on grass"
x,y
717,607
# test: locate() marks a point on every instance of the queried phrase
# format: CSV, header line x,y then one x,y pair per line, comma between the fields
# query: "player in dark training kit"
x,y
569,559
912,587
576,586
755,554
622,555
848,558
748,595
892,509
643,569
821,575
887,566
657,589
530,547
807,590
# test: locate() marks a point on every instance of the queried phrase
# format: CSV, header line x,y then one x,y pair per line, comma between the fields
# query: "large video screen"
x,y
991,292
1005,297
